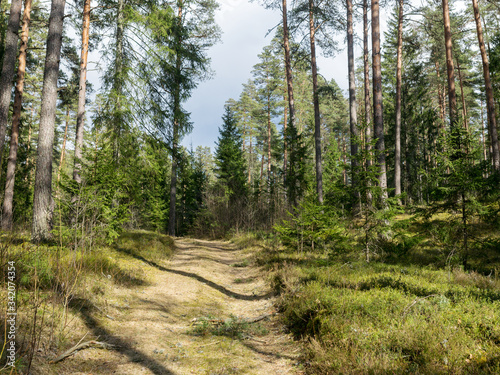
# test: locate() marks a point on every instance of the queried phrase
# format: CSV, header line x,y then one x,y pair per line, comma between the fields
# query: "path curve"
x,y
154,326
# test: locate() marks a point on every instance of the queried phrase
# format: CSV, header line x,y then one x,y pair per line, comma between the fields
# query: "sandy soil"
x,y
153,327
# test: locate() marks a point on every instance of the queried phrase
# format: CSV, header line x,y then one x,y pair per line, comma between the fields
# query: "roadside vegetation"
x,y
55,284
411,309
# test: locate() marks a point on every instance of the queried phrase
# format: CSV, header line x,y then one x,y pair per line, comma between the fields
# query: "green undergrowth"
x,y
233,327
377,318
411,310
53,283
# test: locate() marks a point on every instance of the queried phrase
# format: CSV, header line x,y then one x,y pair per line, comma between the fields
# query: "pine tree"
x,y
43,204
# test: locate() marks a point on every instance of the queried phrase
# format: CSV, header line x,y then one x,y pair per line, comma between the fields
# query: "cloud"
x,y
244,26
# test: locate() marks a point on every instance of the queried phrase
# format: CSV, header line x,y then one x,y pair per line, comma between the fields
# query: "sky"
x,y
244,27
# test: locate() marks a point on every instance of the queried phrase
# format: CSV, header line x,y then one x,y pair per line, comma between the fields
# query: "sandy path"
x,y
153,325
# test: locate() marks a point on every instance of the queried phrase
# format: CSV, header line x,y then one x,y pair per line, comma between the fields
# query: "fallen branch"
x,y
77,347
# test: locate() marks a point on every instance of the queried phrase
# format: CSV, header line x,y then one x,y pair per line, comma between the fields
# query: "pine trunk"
x,y
63,148
173,190
285,151
80,119
42,204
289,83
288,66
464,107
353,121
317,124
378,121
268,140
366,66
452,97
8,67
117,82
176,126
490,101
397,166
16,119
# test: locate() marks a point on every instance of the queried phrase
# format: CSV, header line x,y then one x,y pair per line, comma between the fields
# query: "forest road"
x,y
191,319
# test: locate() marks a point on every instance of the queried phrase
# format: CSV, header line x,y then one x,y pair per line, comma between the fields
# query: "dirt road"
x,y
191,319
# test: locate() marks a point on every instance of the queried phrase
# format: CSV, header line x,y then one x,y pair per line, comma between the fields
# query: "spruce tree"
x,y
230,161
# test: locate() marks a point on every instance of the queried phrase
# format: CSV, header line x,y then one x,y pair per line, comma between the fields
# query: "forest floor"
x,y
191,318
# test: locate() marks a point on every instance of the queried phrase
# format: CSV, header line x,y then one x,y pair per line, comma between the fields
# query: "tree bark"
x,y
42,204
80,119
366,65
176,125
16,119
63,148
285,151
464,107
490,101
378,121
452,97
268,139
9,64
117,82
317,123
353,120
397,166
441,103
173,188
289,80
483,139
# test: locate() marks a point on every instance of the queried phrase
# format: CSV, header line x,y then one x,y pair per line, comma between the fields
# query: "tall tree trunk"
x,y
366,71
464,107
9,64
317,123
483,140
344,159
285,151
42,204
82,89
63,148
118,79
452,97
397,156
176,124
378,120
289,78
250,162
16,119
268,140
353,120
173,186
490,102
441,103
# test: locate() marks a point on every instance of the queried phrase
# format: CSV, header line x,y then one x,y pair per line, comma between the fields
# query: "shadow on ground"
x,y
201,279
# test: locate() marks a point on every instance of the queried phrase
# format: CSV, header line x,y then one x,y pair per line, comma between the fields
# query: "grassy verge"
x,y
413,310
54,283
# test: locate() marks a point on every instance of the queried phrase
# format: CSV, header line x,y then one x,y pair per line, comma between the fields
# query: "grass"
x,y
232,327
50,278
413,310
